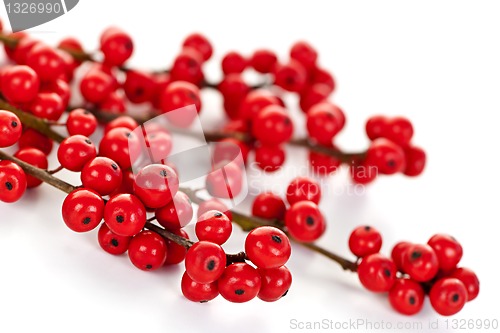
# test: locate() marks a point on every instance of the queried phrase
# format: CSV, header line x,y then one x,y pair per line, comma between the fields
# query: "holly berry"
x,y
116,45
213,226
272,126
121,145
399,130
365,240
121,121
125,214
291,77
322,164
96,86
377,273
147,250
388,157
47,105
46,61
102,175
312,95
263,61
407,296
267,247
363,173
255,102
270,158
198,292
139,87
33,139
36,158
398,253
448,296
376,127
275,283
83,210
324,121
177,213
415,159
20,84
10,128
12,181
111,242
156,185
205,262
228,150
81,121
174,100
303,188
114,103
304,221
225,182
470,281
304,53
74,152
187,66
420,262
213,204
233,62
269,206
239,283
448,251
234,89
200,43
176,253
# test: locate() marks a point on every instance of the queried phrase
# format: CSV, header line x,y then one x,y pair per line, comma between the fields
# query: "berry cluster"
x,y
415,270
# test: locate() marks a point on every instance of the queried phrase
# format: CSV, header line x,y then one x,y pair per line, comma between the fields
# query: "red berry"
x,y
376,127
70,44
159,144
303,189
388,157
139,87
81,121
263,61
12,181
322,77
304,221
111,242
59,87
275,283
233,62
177,213
304,53
205,262
83,210
322,164
74,152
364,241
102,175
47,105
229,150
198,292
33,139
47,62
377,273
254,102
415,161
420,262
399,130
448,251
234,89
147,250
156,185
200,43
269,206
213,226
470,281
116,45
272,126
10,128
96,86
270,158
448,296
121,121
121,145
407,296
36,158
398,253
324,121
176,96
225,182
125,214
363,173
239,283
312,95
291,77
213,204
187,66
20,84
22,49
268,247
114,103
176,253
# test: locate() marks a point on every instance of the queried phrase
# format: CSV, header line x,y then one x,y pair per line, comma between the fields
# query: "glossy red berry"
x,y
81,121
102,175
234,89
121,145
178,95
114,103
239,283
229,150
213,204
365,240
320,76
47,105
275,283
176,253
116,45
147,250
225,182
322,164
269,206
121,121
407,296
20,84
388,157
303,189
399,130
33,139
267,247
448,296
139,87
270,158
125,214
59,87
156,185
198,292
74,152
415,159
111,242
200,43
205,262
213,226
263,61
36,158
254,102
324,122
22,49
312,95
96,86
420,262
177,213
47,62
272,126
12,181
10,128
291,77
376,127
377,273
83,210
304,53
470,281
448,251
363,173
304,221
233,62
187,66
398,253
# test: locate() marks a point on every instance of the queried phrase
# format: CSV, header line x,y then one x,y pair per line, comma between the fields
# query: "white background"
x,y
436,62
